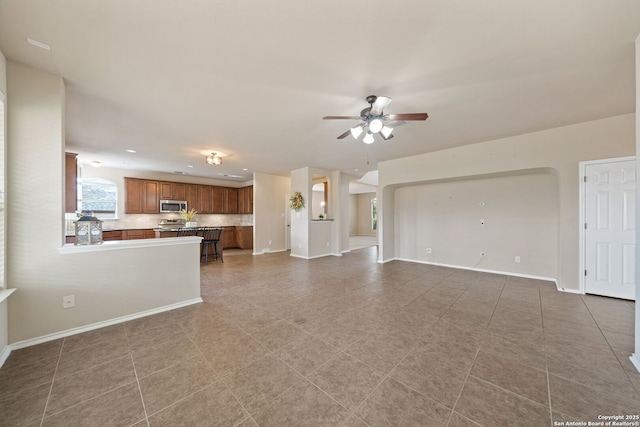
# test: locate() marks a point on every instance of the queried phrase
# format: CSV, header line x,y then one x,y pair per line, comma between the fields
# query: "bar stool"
x,y
187,232
210,238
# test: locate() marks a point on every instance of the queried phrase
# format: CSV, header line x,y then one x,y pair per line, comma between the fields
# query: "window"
x,y
374,214
99,196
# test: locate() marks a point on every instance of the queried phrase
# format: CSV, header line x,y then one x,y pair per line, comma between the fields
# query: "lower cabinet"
x,y
145,233
244,237
229,238
112,235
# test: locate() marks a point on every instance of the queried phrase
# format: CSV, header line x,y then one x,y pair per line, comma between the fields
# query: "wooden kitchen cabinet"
x,y
230,200
166,191
172,190
204,199
244,237
245,200
133,234
144,233
217,200
229,238
112,235
192,196
178,191
141,196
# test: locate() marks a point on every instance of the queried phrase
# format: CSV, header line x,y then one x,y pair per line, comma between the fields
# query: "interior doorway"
x,y
287,222
608,210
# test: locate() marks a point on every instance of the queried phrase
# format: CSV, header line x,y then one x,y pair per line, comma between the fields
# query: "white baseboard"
x,y
635,359
98,325
569,291
270,251
4,355
482,270
315,256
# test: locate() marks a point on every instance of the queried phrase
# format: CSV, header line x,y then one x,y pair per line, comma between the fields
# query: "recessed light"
x,y
356,170
180,172
245,169
189,166
131,151
95,163
38,44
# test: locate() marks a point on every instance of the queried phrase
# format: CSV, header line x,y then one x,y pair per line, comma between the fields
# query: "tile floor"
x,y
339,341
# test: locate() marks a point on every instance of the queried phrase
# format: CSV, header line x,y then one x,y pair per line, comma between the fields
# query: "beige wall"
x,y
4,326
501,217
269,210
106,285
559,150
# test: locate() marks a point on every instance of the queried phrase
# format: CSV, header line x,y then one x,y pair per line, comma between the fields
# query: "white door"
x,y
610,193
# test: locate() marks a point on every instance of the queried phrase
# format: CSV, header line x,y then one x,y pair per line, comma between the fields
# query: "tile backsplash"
x,y
129,222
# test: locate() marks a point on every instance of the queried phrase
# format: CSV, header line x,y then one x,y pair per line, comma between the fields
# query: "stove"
x,y
171,223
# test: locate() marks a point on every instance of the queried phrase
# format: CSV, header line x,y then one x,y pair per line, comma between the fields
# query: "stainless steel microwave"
x,y
175,206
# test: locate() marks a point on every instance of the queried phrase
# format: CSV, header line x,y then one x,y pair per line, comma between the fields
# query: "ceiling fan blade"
x,y
395,123
379,105
407,116
342,118
344,135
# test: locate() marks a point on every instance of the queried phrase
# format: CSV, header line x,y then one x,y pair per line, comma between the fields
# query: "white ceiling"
x,y
252,79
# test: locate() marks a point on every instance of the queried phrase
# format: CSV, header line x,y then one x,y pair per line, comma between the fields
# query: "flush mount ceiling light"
x,y
213,159
95,163
375,121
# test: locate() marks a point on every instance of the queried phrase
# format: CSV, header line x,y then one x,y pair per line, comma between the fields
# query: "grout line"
x,y
53,378
546,362
144,406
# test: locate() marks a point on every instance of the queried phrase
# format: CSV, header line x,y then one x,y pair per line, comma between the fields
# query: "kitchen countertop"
x,y
200,226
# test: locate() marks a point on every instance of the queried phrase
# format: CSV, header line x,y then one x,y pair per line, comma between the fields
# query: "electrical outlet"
x,y
429,250
517,258
68,301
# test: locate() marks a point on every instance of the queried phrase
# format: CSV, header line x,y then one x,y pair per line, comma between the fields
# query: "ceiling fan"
x,y
374,121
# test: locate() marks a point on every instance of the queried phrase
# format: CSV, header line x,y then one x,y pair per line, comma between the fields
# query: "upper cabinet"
x,y
173,190
204,205
245,200
230,201
143,196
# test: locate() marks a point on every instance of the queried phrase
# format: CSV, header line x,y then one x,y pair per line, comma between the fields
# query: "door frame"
x,y
582,200
287,222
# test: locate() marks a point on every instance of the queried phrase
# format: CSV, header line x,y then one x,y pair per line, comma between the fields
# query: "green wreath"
x,y
297,201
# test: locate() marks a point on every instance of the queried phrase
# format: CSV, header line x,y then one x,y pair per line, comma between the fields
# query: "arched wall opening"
x,y
506,222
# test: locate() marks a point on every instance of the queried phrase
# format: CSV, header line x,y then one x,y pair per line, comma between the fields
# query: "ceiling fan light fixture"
x,y
368,138
375,125
356,131
386,131
213,159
